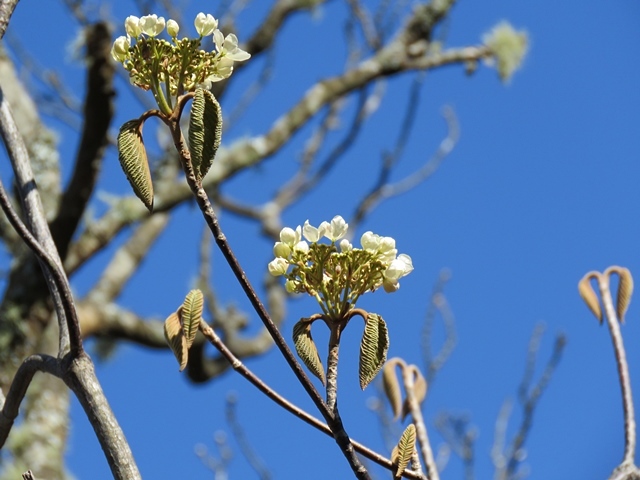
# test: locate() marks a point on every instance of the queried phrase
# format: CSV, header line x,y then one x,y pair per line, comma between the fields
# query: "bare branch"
x,y
507,459
18,389
79,375
461,437
54,99
241,439
374,41
115,322
41,241
383,189
438,303
126,260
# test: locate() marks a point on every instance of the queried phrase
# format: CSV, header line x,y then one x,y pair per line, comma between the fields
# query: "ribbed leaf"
x,y
191,315
373,348
392,386
401,455
205,131
133,159
176,339
589,296
307,350
625,290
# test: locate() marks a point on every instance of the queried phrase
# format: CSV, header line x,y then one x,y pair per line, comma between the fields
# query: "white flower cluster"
x,y
337,277
181,64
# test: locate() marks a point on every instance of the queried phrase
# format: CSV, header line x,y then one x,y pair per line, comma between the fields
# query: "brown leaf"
x,y
176,339
589,295
392,386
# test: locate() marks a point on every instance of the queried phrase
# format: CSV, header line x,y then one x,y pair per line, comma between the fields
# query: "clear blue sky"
x,y
542,188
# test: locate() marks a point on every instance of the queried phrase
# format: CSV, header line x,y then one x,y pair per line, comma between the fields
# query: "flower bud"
x,y
120,49
132,26
290,236
345,245
301,247
173,28
291,286
278,266
281,250
205,24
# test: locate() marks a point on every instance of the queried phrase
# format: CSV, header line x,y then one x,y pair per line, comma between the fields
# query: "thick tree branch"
x,y
6,10
98,112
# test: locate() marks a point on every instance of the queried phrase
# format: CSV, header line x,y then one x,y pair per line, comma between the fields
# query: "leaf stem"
x,y
623,370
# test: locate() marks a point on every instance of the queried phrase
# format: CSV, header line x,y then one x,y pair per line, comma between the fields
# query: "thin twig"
x,y
212,221
408,375
56,278
239,367
18,389
384,190
438,303
508,458
461,438
256,463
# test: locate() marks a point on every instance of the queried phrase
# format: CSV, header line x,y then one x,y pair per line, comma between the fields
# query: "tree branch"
x,y
98,112
18,389
6,10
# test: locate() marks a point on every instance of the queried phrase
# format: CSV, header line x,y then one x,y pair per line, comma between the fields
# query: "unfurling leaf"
x,y
373,348
133,159
205,131
419,390
625,290
392,386
191,314
589,296
306,348
401,455
176,339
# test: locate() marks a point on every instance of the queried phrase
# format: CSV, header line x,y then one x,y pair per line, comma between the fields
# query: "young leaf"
x,y
392,386
419,390
306,348
205,131
176,339
401,455
191,315
589,296
373,348
625,289
133,159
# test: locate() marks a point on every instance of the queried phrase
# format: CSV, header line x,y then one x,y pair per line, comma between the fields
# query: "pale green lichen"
x,y
508,47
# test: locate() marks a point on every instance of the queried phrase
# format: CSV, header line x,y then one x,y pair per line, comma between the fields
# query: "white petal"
x,y
310,232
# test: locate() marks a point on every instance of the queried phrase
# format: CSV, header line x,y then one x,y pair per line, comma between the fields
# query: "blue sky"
x,y
542,187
